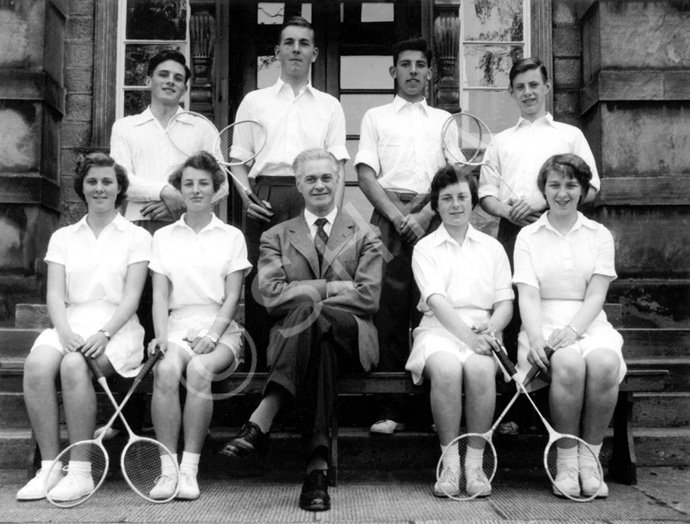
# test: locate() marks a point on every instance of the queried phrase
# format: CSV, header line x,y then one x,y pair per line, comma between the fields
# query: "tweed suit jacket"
x,y
289,273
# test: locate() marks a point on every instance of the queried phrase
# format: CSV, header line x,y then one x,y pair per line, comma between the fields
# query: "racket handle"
x,y
535,370
256,200
505,361
149,365
94,367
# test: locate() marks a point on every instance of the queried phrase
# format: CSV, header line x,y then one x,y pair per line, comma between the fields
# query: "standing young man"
x,y
399,152
296,117
517,155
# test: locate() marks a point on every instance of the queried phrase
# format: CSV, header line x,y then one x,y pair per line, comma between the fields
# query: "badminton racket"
x,y
192,132
478,457
465,139
560,444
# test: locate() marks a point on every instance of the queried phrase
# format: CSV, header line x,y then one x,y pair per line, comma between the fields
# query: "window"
x,y
493,35
146,27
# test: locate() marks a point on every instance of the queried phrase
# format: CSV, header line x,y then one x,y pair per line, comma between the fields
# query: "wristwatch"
x,y
106,333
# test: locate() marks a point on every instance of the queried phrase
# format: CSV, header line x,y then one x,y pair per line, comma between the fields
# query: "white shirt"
x,y
401,142
475,274
312,119
96,268
560,267
141,145
519,152
311,219
197,264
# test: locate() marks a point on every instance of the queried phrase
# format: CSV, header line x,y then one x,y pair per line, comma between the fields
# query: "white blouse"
x,y
560,267
197,264
475,274
96,268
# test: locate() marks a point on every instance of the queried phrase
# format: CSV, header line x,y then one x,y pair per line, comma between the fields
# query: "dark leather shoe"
x,y
249,441
314,496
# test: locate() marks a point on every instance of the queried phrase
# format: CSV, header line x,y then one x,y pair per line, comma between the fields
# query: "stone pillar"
x,y
32,104
446,44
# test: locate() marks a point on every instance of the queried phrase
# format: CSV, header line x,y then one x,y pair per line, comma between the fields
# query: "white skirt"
x,y
431,337
189,322
125,350
557,314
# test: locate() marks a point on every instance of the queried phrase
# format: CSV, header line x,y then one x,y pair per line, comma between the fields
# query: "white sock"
x,y
586,458
566,457
474,458
190,462
451,458
168,464
46,466
79,467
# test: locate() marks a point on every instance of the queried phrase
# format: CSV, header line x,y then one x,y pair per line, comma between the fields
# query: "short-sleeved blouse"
x,y
475,274
96,267
562,266
197,264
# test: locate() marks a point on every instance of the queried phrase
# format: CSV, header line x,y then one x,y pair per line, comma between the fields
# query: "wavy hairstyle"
x,y
84,165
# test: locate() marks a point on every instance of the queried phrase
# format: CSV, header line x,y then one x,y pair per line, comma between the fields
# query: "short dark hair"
x,y
164,56
299,22
569,165
84,165
527,64
204,161
412,44
449,175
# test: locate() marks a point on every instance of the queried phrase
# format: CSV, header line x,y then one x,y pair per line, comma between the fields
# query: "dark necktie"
x,y
321,238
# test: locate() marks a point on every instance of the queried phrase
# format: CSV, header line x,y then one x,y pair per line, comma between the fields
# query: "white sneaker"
x,y
111,433
165,487
189,487
386,427
591,483
478,484
72,486
567,483
37,487
448,484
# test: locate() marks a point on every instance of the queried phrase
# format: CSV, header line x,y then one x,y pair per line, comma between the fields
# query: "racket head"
x,y
240,142
191,132
91,451
465,139
585,454
488,463
141,467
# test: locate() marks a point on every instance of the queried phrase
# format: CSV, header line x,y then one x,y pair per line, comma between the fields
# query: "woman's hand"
x,y
537,355
157,344
95,345
202,345
482,344
71,341
562,338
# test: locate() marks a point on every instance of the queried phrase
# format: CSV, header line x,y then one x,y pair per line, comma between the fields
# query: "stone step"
x,y
16,343
678,367
651,343
358,450
669,410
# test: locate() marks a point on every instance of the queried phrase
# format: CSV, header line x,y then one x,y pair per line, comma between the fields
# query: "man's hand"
x,y
156,211
525,211
173,201
414,226
339,287
256,212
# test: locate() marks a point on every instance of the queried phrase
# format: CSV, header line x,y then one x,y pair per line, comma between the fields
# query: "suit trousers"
x,y
307,351
286,202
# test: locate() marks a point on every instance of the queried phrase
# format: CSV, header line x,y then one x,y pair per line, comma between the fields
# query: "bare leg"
x,y
444,371
165,403
601,394
479,372
79,397
566,395
40,371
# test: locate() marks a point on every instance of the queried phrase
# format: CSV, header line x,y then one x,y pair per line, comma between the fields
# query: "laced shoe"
x,y
109,435
477,482
189,487
37,487
566,483
165,487
592,483
448,484
72,486
249,441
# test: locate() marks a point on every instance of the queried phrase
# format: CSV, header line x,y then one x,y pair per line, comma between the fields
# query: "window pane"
x,y
350,172
378,12
489,65
496,108
156,19
494,20
137,58
270,13
355,106
267,71
365,72
136,101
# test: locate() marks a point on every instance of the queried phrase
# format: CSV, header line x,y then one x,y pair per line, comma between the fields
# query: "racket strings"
x,y
85,465
142,468
573,468
470,475
466,139
191,133
240,143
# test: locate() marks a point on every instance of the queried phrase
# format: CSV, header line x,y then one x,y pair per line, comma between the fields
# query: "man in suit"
x,y
320,276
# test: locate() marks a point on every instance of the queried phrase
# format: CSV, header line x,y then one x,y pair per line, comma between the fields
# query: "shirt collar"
x,y
215,223
118,222
399,102
311,217
147,116
547,119
582,221
442,235
280,85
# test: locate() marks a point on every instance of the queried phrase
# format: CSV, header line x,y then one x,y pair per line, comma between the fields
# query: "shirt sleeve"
x,y
503,288
605,262
368,144
56,248
335,139
243,140
522,259
426,274
239,261
140,250
489,183
156,263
